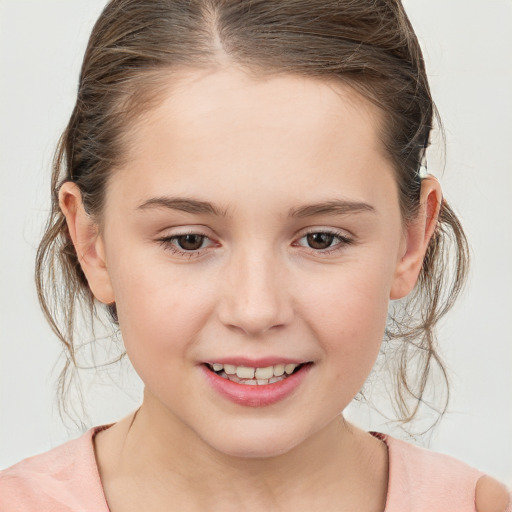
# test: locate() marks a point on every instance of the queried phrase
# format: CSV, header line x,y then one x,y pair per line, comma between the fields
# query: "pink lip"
x,y
262,362
256,396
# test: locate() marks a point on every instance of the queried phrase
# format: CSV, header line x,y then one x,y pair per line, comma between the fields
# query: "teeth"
x,y
261,376
230,369
289,368
264,373
278,370
244,372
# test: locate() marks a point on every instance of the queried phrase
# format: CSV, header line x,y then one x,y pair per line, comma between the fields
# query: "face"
x,y
255,225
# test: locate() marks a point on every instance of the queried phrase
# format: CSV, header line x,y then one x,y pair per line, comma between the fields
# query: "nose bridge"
x,y
255,297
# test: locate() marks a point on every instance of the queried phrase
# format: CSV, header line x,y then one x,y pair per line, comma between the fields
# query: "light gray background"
x,y
468,47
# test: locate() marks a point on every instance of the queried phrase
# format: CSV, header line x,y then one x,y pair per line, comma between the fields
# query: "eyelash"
x,y
167,242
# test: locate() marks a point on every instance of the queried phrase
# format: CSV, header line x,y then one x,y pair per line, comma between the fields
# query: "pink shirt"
x,y
66,479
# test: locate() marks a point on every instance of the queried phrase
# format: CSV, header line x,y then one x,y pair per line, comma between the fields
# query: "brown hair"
x,y
368,44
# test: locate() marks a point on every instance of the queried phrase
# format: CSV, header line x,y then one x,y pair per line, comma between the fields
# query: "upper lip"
x,y
260,362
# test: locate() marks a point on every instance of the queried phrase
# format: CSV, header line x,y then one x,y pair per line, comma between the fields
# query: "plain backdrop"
x,y
468,48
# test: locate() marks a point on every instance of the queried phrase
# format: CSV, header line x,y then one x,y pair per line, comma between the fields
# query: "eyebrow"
x,y
189,205
333,207
183,204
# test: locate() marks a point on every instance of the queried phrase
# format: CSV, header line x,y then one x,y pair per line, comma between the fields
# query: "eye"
x,y
186,244
192,244
322,241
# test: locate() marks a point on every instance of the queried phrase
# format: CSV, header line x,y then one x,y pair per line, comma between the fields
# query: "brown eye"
x,y
323,243
190,242
320,240
190,245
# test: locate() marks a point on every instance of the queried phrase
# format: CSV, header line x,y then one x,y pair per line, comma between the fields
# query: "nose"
x,y
254,294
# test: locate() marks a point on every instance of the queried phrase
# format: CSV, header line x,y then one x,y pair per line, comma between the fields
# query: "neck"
x,y
337,462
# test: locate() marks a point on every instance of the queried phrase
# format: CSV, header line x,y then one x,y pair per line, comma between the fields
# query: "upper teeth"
x,y
247,372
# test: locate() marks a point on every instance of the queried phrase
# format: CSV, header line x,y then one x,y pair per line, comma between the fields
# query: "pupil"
x,y
190,242
320,240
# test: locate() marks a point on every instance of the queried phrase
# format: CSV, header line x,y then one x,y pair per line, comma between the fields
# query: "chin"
x,y
247,444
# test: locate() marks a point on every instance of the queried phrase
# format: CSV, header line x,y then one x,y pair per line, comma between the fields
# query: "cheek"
x,y
160,311
348,313
353,296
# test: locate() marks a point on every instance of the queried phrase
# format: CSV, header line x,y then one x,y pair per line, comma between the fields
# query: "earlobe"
x,y
417,238
89,245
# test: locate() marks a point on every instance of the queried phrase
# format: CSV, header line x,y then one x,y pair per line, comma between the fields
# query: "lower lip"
x,y
256,396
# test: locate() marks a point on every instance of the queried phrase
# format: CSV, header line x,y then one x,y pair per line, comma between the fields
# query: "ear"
x,y
89,245
417,236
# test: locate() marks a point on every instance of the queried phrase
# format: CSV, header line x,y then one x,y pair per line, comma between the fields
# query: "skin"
x,y
256,150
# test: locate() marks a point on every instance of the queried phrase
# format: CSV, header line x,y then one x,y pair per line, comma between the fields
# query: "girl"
x,y
241,188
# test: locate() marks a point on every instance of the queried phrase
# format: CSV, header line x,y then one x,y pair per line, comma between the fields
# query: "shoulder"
x,y
62,479
492,496
427,480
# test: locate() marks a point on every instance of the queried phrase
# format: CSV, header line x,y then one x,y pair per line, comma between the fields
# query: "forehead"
x,y
222,102
225,129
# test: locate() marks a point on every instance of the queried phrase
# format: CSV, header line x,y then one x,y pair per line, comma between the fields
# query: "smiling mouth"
x,y
255,376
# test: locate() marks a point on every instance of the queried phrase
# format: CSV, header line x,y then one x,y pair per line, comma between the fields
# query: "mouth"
x,y
257,383
251,376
